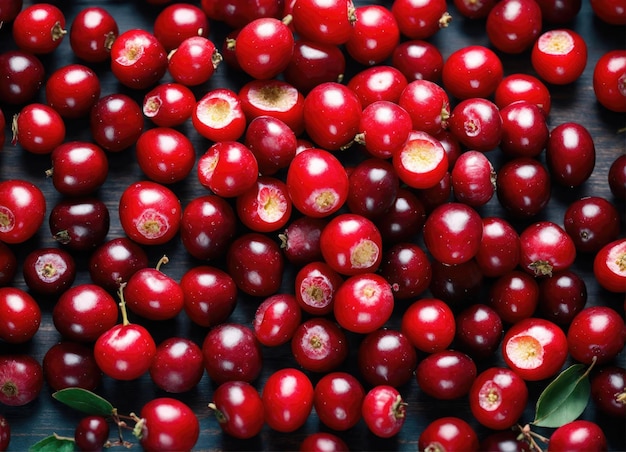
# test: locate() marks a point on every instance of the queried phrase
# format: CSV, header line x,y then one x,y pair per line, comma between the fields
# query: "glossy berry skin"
x,y
25,75
498,397
384,411
596,332
545,248
608,80
407,268
165,155
363,303
499,248
277,319
84,312
324,22
21,315
313,63
22,210
535,348
287,399
523,187
92,33
316,284
418,60
79,168
609,268
570,154
210,295
422,162
150,213
513,25
264,47
556,12
177,22
8,11
80,224
468,64
579,435
427,104
524,129
331,115
591,222
314,193
71,364
39,29
473,179
21,379
514,296
420,20
238,409
477,124
375,34
228,169
125,351
323,441
91,433
607,383
458,285
406,215
446,374
386,357
617,177
452,233
232,352
115,261
384,127
167,424
450,433
523,87
178,365
609,11
478,331
272,142
351,244
319,345
168,104
49,270
38,128
380,82
138,59
116,122
266,206
300,240
562,296
338,398
429,324
72,90
559,56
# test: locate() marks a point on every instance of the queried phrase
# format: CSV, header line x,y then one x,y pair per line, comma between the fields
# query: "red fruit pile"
x,y
331,219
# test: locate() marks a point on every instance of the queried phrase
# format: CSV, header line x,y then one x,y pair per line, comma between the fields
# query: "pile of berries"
x,y
307,221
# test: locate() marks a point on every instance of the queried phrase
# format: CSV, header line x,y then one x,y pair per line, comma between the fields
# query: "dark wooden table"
x,y
42,417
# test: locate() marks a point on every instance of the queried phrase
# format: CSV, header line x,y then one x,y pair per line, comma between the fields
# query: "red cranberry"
x,y
523,87
513,25
562,296
239,409
596,332
173,425
450,433
115,261
210,295
70,364
418,60
514,296
478,331
49,270
92,34
319,345
138,59
523,187
80,224
337,400
21,315
446,374
581,435
386,357
72,90
178,365
91,433
591,222
24,74
607,390
21,379
287,399
313,63
472,71
570,154
277,319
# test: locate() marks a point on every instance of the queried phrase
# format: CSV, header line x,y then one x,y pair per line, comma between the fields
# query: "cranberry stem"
x,y
163,260
122,304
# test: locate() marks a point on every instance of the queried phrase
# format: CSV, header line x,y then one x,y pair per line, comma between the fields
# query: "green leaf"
x,y
85,401
53,443
564,399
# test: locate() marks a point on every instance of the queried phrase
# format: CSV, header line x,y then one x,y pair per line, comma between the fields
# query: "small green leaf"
x,y
564,399
85,401
53,443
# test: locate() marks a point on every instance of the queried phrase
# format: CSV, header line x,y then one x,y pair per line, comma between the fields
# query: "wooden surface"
x,y
40,418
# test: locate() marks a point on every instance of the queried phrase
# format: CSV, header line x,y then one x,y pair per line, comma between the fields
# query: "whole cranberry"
x,y
168,424
478,331
596,332
21,379
592,222
91,433
579,435
386,357
607,390
69,364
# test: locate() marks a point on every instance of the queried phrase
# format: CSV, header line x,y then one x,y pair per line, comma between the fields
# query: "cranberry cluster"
x,y
287,211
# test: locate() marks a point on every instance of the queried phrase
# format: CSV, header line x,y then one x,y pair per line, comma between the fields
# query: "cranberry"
x,y
178,365
21,379
138,59
22,210
22,315
607,390
80,224
363,303
381,82
450,433
570,154
277,319
477,124
420,20
313,63
524,129
324,22
272,142
373,187
505,440
473,179
472,72
578,435
319,345
38,128
608,266
498,397
384,127
24,74
407,268
386,357
338,398
591,222
238,408
596,333
562,296
617,177
523,87
266,206
608,75
383,411
168,104
237,13
403,219
116,122
115,261
69,364
421,162
446,374
428,106
39,28
473,9
514,296
218,115
545,248
323,441
287,399
49,271
72,90
79,168
559,56
609,11
168,423
478,331
456,284
91,433
232,352
429,324
300,240
179,21
92,34
210,295
499,248
556,12
513,25
418,60
523,187
375,34
316,284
